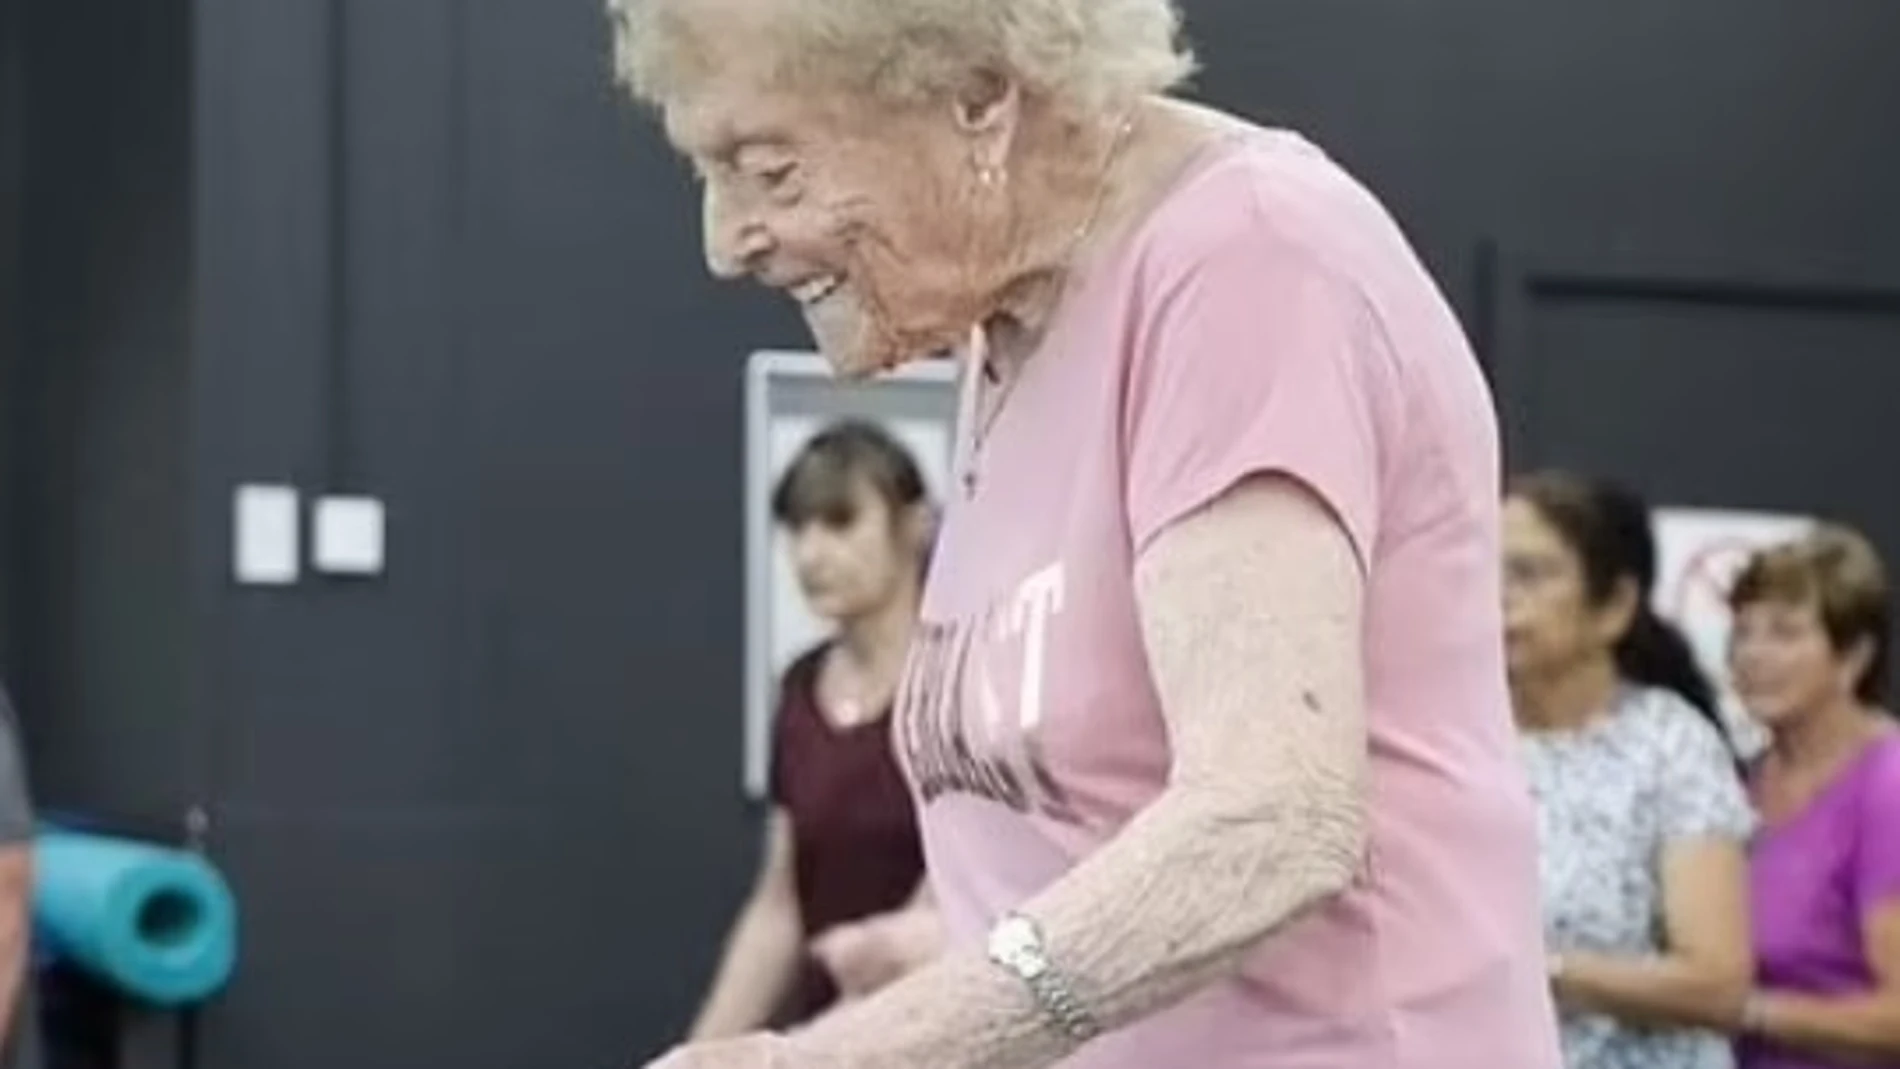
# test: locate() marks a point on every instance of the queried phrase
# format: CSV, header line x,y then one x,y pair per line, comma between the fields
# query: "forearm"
x,y
1170,905
1862,1029
754,974
1659,991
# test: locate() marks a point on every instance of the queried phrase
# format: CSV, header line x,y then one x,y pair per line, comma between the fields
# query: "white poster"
x,y
1699,553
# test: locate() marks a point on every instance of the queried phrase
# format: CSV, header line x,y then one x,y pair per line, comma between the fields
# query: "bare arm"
x,y
1860,1029
1251,613
866,955
762,951
16,896
1702,979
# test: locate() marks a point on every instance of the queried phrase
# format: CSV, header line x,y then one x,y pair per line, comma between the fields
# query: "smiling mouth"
x,y
816,290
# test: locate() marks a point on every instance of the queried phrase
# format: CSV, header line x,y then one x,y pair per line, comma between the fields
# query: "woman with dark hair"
x,y
1809,658
835,910
1642,814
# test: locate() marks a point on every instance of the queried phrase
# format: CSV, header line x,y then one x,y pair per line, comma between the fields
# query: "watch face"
x,y
1014,943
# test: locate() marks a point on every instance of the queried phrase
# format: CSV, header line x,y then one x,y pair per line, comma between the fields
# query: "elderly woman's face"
x,y
861,214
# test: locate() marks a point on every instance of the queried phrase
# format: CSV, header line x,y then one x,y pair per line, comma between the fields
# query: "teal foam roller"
x,y
155,923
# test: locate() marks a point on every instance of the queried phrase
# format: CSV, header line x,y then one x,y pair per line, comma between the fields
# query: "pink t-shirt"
x,y
1267,316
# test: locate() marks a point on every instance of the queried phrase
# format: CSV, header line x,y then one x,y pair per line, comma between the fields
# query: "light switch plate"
x,y
349,536
265,548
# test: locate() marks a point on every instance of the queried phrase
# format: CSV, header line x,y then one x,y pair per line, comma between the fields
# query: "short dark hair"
x,y
1838,571
820,484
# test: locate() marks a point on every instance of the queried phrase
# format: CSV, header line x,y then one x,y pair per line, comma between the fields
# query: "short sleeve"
x,y
797,697
1702,795
1877,839
16,809
776,759
1256,359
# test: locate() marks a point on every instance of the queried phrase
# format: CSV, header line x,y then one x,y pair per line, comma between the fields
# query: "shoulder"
x,y
1266,241
803,669
1676,736
798,683
1259,196
1665,716
1880,777
1690,770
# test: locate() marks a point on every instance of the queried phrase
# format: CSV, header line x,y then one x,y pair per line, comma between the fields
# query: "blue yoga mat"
x,y
153,922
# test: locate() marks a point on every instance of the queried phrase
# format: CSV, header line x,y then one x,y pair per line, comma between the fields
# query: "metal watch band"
x,y
1060,1003
1016,944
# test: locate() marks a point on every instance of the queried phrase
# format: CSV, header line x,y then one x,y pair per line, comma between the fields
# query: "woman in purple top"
x,y
1809,655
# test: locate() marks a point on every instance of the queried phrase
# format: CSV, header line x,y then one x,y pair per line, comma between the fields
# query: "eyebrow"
x,y
720,141
724,145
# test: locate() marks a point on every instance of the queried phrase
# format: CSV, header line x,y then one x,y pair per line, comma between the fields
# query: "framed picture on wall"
x,y
789,397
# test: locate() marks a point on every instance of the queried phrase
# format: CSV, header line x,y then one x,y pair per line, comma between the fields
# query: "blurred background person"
x,y
1642,814
836,909
1808,654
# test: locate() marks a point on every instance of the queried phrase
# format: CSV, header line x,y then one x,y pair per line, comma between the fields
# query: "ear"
x,y
1619,611
986,111
919,526
1856,661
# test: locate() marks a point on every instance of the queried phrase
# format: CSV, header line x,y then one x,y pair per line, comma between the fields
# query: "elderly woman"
x,y
1206,716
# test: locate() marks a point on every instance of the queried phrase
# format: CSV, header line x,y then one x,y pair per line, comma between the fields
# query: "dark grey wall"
x,y
100,416
436,263
484,810
1686,130
12,83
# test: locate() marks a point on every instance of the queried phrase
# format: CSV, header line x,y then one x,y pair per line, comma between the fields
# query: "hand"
x,y
865,956
1564,991
758,1051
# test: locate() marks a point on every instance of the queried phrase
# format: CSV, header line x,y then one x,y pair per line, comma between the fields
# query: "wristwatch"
x,y
1016,944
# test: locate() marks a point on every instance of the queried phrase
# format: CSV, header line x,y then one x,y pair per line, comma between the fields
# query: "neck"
x,y
1070,179
1566,700
1087,181
1823,737
876,642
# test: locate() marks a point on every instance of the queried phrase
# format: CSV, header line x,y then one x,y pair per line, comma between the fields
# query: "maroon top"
x,y
854,829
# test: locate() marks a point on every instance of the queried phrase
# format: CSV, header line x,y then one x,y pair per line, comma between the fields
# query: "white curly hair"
x,y
1091,54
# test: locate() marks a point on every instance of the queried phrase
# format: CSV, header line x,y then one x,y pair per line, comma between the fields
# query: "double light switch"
x,y
346,535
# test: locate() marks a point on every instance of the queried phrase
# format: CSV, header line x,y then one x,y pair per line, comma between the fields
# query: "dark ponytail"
x,y
1608,527
1654,653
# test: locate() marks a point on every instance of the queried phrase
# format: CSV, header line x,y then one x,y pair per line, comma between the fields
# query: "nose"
x,y
1513,602
808,549
735,240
